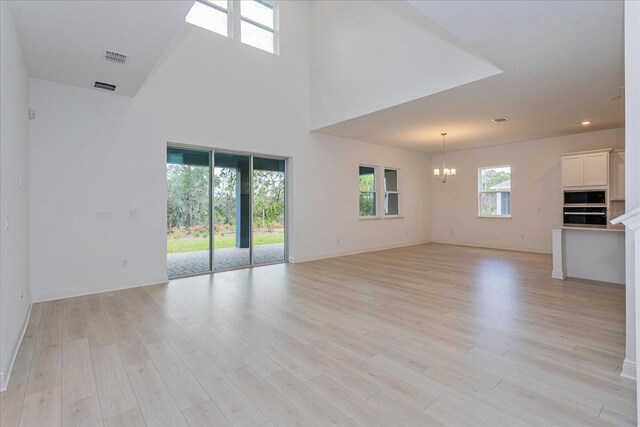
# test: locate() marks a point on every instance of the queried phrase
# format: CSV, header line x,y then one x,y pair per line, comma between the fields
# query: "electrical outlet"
x,y
133,215
522,236
338,240
125,263
21,294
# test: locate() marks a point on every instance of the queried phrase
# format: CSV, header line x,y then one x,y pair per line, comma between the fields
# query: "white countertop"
x,y
577,227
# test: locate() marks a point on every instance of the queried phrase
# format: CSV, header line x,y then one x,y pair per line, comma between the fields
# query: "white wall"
x,y
15,291
367,56
536,194
94,151
632,164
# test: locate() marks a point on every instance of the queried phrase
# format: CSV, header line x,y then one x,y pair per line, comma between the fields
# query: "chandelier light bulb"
x,y
446,172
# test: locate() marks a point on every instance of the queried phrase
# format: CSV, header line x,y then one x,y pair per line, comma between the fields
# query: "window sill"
x,y
393,216
368,218
495,216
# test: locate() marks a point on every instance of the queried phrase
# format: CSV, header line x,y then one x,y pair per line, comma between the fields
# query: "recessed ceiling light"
x,y
500,119
585,123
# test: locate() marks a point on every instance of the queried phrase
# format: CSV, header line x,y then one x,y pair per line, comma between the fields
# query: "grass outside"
x,y
192,244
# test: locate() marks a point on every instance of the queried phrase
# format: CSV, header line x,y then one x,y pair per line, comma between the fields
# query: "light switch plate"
x,y
103,215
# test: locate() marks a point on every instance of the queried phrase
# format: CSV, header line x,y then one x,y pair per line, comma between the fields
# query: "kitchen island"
x,y
595,253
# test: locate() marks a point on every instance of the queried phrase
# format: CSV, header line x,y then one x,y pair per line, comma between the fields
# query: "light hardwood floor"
x,y
423,335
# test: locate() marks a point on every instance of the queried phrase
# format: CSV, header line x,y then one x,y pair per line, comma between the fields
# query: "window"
x,y
367,184
212,15
257,26
494,184
255,19
391,193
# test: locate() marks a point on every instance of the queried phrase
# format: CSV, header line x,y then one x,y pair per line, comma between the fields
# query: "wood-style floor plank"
x,y
46,368
275,406
233,403
43,408
308,401
156,402
114,388
205,414
12,400
424,335
78,378
182,384
132,418
82,413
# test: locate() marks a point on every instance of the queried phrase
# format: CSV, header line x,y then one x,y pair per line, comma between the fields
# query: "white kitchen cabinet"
x,y
617,175
573,171
596,169
585,170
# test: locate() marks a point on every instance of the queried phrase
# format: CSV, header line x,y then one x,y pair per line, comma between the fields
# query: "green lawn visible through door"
x,y
220,242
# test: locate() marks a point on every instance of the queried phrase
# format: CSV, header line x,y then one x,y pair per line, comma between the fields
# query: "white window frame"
x,y
481,192
228,12
386,192
274,5
376,191
235,19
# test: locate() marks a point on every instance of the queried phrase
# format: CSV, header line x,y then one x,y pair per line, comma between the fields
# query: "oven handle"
x,y
587,213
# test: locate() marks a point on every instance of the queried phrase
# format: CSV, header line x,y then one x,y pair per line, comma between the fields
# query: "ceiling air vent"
x,y
105,86
118,58
500,119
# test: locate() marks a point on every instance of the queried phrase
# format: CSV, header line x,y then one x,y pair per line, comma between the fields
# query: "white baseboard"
x,y
501,248
354,251
628,369
5,377
99,288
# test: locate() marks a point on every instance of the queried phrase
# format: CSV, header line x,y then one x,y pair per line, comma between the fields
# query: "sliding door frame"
x,y
286,206
211,189
212,152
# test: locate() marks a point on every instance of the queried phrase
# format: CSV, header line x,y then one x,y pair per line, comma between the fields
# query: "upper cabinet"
x,y
596,169
617,175
573,171
585,169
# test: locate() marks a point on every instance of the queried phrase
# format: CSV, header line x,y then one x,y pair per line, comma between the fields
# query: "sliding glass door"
x,y
224,211
232,211
269,193
188,212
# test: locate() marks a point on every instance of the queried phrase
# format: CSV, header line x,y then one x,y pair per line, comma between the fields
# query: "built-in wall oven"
x,y
586,208
597,197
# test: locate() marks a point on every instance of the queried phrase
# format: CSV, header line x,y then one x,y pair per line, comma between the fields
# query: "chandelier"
x,y
446,172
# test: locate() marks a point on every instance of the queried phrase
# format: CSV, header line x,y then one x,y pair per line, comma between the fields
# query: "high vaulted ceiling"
x,y
64,41
562,63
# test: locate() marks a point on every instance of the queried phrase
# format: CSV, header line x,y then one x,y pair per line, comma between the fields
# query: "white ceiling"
x,y
562,62
64,41
366,56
